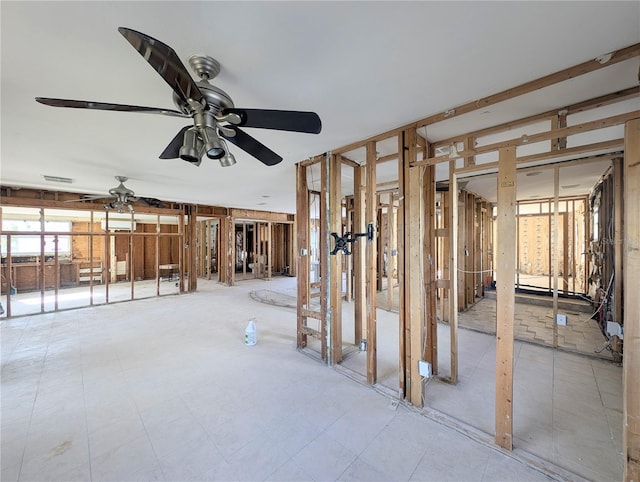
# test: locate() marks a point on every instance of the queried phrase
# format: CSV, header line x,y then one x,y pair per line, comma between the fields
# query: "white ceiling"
x,y
364,67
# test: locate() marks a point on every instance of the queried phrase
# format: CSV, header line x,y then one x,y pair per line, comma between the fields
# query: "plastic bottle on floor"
x,y
250,333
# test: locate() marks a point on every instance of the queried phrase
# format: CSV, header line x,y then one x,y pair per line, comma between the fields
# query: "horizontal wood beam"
x,y
586,105
546,81
261,215
349,162
213,211
382,185
312,160
360,144
78,206
537,84
310,332
607,99
387,158
539,137
613,144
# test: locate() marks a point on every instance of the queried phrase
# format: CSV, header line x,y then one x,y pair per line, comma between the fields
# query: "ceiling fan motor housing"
x,y
217,99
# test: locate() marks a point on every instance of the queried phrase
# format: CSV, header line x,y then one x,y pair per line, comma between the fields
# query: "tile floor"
x,y
533,322
165,389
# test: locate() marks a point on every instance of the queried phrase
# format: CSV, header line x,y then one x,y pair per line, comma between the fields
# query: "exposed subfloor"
x,y
165,389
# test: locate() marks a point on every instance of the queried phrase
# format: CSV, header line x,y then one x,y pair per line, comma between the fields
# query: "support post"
x,y
631,263
359,254
618,252
403,347
555,250
392,223
452,219
269,250
335,261
371,212
415,269
411,291
505,296
302,256
325,248
193,249
429,256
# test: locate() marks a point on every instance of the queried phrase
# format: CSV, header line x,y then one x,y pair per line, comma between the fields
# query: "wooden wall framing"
x,y
467,243
505,297
631,361
371,216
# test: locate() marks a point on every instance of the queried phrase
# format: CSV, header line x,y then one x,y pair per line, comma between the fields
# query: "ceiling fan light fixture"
x,y
227,160
214,146
191,150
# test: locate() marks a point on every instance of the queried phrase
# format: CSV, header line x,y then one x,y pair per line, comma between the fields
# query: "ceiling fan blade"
x,y
283,120
86,198
149,201
172,151
86,104
166,62
252,146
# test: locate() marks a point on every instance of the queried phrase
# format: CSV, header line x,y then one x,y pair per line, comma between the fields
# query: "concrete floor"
x,y
31,302
165,389
567,406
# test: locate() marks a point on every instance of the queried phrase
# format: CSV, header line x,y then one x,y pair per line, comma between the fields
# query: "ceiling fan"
x,y
215,118
123,197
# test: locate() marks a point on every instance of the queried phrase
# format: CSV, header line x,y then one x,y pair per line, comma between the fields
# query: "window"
x,y
29,245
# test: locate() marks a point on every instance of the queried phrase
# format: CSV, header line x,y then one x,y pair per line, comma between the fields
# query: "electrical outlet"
x,y
424,368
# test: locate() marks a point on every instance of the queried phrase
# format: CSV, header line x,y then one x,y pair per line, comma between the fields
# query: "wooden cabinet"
x,y
26,276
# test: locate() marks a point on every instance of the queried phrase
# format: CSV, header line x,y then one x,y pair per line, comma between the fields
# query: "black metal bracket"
x,y
342,242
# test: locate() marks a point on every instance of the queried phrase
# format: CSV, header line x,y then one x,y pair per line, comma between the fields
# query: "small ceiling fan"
x,y
215,118
123,197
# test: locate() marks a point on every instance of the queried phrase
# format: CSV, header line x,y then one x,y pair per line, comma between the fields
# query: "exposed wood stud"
x,y
618,237
554,251
359,254
415,269
371,216
41,261
452,219
157,254
9,271
325,243
469,145
335,261
380,243
348,260
392,222
631,263
302,255
429,257
505,297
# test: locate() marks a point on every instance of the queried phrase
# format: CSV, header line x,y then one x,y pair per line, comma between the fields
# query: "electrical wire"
x,y
475,272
